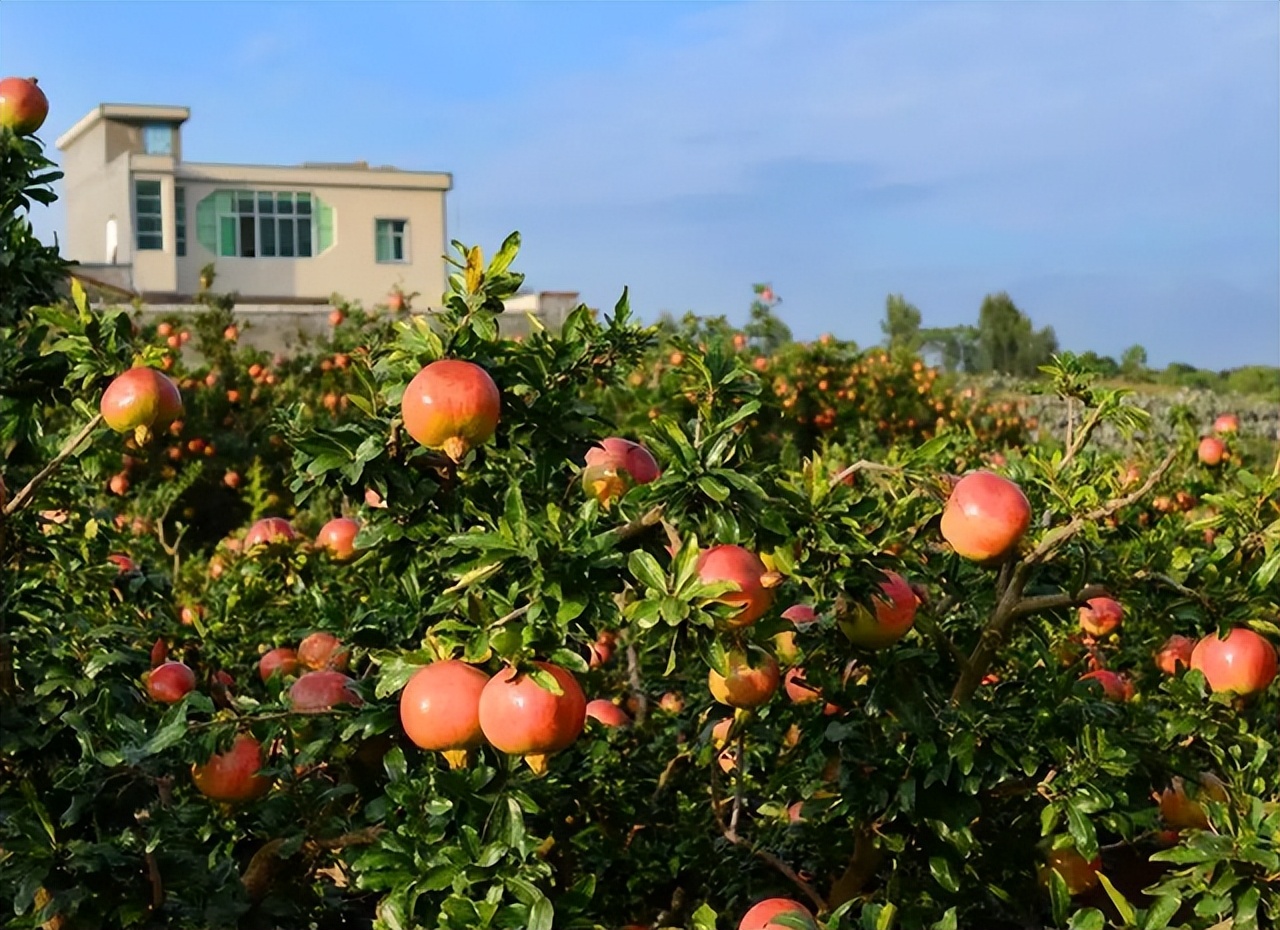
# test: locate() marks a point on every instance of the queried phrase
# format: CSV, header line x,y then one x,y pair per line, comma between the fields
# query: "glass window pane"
x,y
382,245
245,205
284,203
398,248
284,238
266,203
304,203
148,224
148,187
267,236
227,239
247,237
304,238
397,226
157,140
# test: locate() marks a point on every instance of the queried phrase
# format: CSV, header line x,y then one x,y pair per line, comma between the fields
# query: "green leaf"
x,y
546,681
940,869
713,489
1119,900
645,569
1089,918
704,918
1161,912
1082,832
541,914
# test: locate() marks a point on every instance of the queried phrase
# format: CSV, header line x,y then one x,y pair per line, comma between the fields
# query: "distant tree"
x,y
1133,363
1007,342
766,330
901,324
1103,365
955,348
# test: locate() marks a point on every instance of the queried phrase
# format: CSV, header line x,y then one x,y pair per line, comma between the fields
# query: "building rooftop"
x,y
127,112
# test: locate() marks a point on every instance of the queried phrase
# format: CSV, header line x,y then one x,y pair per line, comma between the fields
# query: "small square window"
x,y
157,139
390,240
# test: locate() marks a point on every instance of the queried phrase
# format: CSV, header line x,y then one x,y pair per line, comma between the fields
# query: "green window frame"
x,y
180,219
264,224
148,216
391,241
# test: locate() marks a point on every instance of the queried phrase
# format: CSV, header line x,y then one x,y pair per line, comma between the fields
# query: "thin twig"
x,y
864,465
637,686
1174,585
514,615
740,777
1082,436
157,886
1035,605
22,497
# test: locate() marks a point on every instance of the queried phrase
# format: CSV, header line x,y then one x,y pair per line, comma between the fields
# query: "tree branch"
x,y
1035,605
863,465
637,686
21,499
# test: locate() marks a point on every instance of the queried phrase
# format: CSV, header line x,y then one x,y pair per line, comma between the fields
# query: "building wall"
x,y
348,267
84,185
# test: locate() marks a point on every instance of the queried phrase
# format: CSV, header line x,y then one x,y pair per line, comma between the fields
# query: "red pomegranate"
x,y
23,105
746,685
323,650
451,405
440,709
1180,811
281,660
761,915
233,776
1100,616
985,516
755,583
607,713
140,400
316,692
1175,652
339,537
520,717
614,465
1211,451
802,615
1243,663
1078,872
1226,423
170,682
1114,687
268,531
893,616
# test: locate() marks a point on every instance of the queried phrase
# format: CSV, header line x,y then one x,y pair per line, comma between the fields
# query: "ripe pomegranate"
x,y
1175,651
339,536
233,776
321,651
316,692
607,713
170,682
336,317
268,531
140,400
119,484
123,563
671,702
801,692
1211,452
231,333
755,583
282,660
802,615
440,709
1226,423
1114,687
614,465
451,405
231,479
761,915
520,717
1079,873
1244,662
23,105
894,615
985,516
1100,616
745,685
159,652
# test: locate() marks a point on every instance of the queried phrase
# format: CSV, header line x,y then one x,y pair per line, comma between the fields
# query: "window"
x,y
389,240
264,224
157,139
148,218
180,218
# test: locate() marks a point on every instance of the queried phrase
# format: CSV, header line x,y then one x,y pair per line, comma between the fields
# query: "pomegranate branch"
x,y
22,497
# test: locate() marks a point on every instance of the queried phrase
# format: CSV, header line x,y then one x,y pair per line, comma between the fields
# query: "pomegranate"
x,y
170,682
1181,812
802,615
339,537
159,652
282,660
614,465
234,775
755,583
1114,687
316,692
269,531
801,692
1100,616
607,713
1078,872
23,105
671,702
520,717
321,651
140,400
123,563
1211,451
745,685
894,615
1175,651
1226,423
985,516
1243,663
761,915
440,709
451,405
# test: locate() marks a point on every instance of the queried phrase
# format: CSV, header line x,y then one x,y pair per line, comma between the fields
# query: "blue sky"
x,y
1114,166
